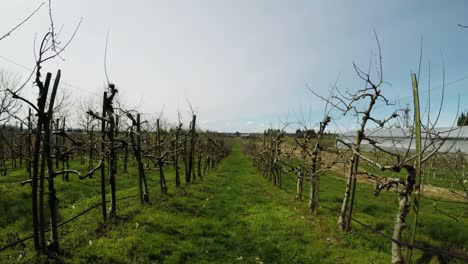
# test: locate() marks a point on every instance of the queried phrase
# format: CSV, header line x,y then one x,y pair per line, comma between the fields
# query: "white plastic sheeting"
x,y
455,139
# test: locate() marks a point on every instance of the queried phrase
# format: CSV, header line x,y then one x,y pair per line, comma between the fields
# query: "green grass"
x,y
232,216
434,229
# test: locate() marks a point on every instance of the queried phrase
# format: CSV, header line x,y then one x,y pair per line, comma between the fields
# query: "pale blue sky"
x,y
244,64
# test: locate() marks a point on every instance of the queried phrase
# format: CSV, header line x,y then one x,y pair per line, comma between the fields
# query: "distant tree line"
x,y
463,119
310,133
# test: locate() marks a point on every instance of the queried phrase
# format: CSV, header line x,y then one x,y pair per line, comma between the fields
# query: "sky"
x,y
244,65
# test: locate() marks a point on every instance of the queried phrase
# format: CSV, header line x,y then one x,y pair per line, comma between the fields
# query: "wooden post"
x,y
2,153
125,161
117,119
57,145
144,196
138,154
29,145
91,150
417,186
41,101
187,174
192,146
21,146
199,163
176,155
103,159
162,179
54,245
112,153
65,160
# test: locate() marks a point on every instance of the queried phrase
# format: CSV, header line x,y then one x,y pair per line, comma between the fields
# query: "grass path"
x,y
233,216
251,221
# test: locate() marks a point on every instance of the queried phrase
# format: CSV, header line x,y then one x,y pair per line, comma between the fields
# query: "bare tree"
x,y
9,107
136,146
108,125
49,49
349,103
